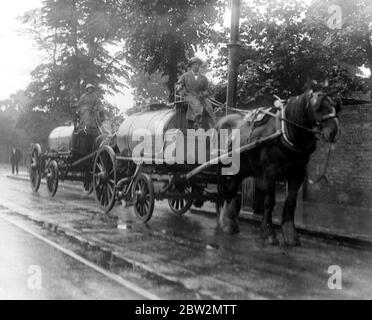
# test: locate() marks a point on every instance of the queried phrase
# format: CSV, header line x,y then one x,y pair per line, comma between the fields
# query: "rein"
x,y
316,132
323,176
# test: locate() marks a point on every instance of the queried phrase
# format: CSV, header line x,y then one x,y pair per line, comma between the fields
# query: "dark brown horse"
x,y
307,118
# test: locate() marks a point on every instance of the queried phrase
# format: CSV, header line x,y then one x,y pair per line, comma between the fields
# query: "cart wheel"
x,y
144,198
35,168
88,184
180,205
52,178
104,178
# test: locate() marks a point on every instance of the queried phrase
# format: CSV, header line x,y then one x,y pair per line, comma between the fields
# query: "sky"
x,y
18,56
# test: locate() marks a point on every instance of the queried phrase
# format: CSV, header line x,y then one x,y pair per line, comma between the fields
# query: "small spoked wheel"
x,y
104,178
52,178
35,168
88,184
144,198
180,205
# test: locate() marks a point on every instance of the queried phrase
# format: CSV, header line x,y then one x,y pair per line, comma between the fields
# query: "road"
x,y
32,269
172,258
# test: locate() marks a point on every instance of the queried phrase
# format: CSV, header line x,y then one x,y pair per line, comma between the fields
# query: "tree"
x,y
77,37
161,35
348,33
284,48
149,88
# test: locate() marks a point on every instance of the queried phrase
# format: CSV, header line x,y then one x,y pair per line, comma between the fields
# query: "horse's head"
x,y
324,109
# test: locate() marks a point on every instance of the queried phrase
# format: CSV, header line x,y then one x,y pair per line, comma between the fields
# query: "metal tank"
x,y
60,139
156,124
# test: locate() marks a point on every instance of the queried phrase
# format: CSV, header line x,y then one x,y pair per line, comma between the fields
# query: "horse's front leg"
x,y
290,234
229,210
267,228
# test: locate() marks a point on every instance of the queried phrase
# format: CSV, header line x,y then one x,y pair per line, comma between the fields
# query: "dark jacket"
x,y
196,92
188,85
15,157
89,109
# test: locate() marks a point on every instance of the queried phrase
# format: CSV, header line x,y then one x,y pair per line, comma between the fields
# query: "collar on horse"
x,y
286,141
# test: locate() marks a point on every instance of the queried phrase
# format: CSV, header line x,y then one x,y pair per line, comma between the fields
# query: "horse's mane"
x,y
297,111
296,107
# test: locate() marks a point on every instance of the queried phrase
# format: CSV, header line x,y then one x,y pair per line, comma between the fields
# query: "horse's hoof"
x,y
270,241
269,236
293,243
290,235
229,228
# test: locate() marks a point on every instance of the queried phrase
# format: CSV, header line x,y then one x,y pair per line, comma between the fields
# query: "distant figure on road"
x,y
15,159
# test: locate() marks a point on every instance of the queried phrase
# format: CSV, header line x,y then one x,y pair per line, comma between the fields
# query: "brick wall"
x,y
350,167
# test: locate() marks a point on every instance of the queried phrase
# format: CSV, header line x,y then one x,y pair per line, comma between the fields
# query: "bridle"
x,y
330,116
318,123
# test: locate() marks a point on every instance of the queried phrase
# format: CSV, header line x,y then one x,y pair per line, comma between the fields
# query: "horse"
x,y
307,118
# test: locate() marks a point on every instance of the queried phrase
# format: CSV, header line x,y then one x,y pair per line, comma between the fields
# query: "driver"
x,y
195,88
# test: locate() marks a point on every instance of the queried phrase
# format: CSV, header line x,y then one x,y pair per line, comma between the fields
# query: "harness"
x,y
282,107
284,137
316,132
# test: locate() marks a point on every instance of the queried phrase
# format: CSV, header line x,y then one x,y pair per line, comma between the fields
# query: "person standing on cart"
x,y
195,88
89,110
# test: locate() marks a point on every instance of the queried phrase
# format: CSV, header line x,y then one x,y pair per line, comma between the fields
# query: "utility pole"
x,y
234,55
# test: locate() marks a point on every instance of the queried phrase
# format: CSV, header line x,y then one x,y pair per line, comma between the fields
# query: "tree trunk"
x,y
369,57
173,78
76,47
171,84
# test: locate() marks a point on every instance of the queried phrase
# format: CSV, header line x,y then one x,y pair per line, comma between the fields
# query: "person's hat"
x,y
89,85
195,60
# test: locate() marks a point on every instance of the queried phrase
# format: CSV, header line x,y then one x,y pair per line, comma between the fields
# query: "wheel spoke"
x,y
108,194
101,196
110,189
100,167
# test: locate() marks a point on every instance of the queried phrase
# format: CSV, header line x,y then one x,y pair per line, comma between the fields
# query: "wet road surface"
x,y
32,269
183,257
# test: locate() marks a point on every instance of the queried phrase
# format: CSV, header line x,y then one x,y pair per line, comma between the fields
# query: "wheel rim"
x,y
35,175
144,198
104,179
52,178
180,205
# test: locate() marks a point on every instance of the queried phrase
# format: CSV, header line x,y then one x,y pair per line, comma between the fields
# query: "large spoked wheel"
x,y
180,205
52,178
144,198
104,178
35,168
